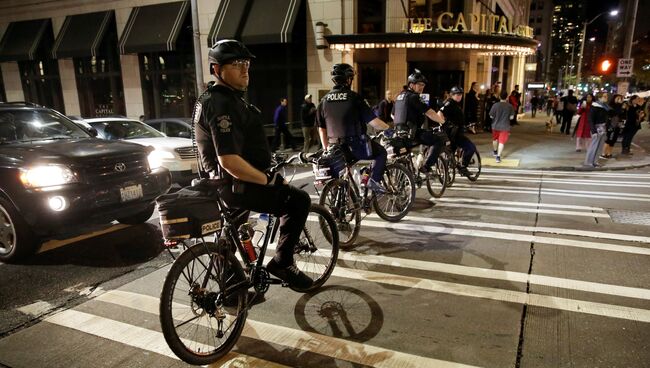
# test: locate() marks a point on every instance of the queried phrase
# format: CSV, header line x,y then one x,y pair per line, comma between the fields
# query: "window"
x,y
371,16
99,79
40,77
168,79
419,9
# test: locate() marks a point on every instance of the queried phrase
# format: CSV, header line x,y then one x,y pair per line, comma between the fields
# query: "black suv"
x,y
56,176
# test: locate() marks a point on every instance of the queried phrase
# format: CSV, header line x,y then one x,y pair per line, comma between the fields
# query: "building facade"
x,y
137,57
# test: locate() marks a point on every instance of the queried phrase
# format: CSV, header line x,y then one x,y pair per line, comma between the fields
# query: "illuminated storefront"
x,y
449,44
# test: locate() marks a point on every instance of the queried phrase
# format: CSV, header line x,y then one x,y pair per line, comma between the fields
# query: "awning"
x,y
21,40
81,34
255,22
154,27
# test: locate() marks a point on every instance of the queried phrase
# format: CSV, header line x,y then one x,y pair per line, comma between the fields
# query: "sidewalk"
x,y
531,147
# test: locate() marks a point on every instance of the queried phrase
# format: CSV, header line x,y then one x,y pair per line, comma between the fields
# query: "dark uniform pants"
x,y
290,203
468,147
361,150
435,143
628,134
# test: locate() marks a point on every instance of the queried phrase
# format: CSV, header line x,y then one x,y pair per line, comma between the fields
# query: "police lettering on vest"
x,y
409,110
343,113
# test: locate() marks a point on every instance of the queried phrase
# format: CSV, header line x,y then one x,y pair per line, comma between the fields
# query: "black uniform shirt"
x,y
453,113
409,108
343,113
226,124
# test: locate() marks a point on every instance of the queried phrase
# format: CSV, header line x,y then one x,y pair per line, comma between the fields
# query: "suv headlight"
x,y
47,176
156,158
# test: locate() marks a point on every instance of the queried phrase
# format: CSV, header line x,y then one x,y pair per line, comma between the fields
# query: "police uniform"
x,y
225,124
454,127
345,115
410,116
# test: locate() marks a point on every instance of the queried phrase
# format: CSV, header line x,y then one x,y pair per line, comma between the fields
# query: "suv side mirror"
x,y
93,132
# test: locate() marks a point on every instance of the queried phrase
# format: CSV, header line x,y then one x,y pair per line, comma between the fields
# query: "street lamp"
x,y
612,13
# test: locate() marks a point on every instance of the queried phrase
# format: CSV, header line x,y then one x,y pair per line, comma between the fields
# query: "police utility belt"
x,y
349,140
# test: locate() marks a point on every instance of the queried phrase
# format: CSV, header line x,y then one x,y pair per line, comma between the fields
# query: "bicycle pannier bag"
x,y
330,165
189,213
396,146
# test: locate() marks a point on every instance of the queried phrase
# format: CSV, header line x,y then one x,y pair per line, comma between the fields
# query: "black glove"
x,y
274,179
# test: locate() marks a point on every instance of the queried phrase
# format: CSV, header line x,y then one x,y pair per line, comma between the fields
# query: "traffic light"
x,y
606,65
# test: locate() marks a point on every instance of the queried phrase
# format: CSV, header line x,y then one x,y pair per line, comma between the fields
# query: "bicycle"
x,y
401,149
454,163
345,198
205,297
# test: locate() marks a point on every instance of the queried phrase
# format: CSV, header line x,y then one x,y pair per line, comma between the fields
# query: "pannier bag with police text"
x,y
330,165
189,213
396,146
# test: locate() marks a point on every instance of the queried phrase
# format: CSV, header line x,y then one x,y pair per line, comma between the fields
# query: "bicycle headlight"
x,y
47,176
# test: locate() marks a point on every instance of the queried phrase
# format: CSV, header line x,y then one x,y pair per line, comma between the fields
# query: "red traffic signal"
x,y
606,65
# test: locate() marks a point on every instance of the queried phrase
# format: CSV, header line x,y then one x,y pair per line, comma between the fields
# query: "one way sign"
x,y
625,67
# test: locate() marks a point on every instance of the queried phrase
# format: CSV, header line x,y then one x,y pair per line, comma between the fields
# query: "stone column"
x,y
11,78
69,87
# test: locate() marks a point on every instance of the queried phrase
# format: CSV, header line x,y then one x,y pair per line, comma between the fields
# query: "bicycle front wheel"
x,y
318,247
450,162
400,193
437,178
203,303
344,204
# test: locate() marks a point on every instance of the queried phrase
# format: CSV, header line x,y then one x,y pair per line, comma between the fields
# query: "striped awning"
x,y
22,40
255,22
81,34
154,27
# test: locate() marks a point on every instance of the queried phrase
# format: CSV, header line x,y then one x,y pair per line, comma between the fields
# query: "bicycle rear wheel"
x,y
437,178
400,193
318,248
474,167
201,318
343,203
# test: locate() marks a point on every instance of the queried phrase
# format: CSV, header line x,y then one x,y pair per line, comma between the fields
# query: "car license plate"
x,y
130,193
195,168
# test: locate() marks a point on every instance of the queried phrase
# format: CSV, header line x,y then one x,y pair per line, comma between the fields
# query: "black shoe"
x,y
463,171
291,275
424,170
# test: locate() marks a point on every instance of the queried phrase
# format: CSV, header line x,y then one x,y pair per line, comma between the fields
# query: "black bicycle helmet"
x,y
417,77
342,72
455,90
227,50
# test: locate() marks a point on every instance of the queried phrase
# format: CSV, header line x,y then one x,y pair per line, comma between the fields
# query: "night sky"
x,y
599,27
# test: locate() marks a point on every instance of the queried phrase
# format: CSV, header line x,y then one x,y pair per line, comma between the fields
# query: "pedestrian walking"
x,y
280,118
635,115
308,114
515,101
501,113
598,118
583,131
471,108
534,101
570,107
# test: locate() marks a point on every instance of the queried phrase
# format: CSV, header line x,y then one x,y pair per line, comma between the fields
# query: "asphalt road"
x,y
524,268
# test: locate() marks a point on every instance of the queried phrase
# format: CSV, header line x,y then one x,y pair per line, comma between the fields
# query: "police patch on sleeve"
x,y
224,123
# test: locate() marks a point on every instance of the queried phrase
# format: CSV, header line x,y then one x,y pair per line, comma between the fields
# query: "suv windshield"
x,y
125,129
36,125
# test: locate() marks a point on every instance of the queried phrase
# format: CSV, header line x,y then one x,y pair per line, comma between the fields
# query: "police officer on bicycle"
x,y
410,115
342,116
452,111
232,145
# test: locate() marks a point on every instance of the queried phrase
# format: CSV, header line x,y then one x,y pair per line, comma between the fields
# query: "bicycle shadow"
x,y
335,321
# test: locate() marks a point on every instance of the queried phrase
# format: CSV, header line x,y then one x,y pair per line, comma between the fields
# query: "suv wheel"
x,y
16,238
139,217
